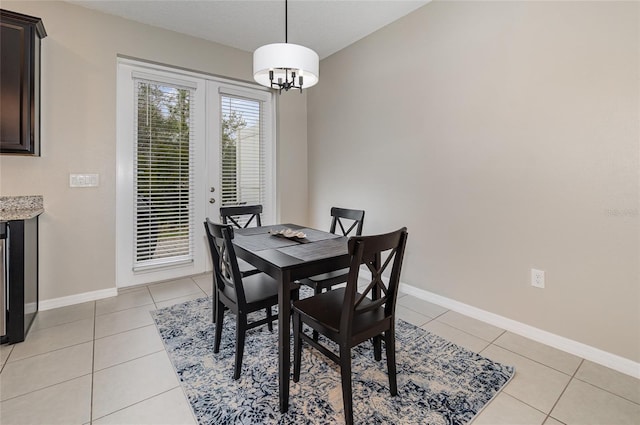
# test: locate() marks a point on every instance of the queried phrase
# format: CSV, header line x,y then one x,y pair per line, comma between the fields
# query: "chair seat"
x,y
326,309
257,289
327,279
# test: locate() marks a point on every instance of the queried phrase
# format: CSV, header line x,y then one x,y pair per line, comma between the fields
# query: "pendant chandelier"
x,y
285,66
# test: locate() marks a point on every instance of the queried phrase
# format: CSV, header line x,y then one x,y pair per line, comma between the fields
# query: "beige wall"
x,y
505,136
292,158
77,237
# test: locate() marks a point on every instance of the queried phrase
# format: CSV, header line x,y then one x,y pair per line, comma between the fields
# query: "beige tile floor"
x,y
103,362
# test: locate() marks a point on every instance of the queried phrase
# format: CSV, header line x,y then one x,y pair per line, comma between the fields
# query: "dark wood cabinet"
x,y
20,83
20,267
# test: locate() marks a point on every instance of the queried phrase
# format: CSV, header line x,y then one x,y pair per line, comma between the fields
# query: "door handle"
x,y
212,201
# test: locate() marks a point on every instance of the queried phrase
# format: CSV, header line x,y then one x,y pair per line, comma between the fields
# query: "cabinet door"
x,y
19,84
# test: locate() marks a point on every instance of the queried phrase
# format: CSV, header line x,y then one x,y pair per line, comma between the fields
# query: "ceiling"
x,y
325,26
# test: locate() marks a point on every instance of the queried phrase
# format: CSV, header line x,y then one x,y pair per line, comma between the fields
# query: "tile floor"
x,y
103,362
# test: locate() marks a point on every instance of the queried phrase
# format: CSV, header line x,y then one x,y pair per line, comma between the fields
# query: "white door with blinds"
x,y
242,121
187,144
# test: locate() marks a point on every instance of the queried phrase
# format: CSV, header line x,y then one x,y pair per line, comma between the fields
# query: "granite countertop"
x,y
20,207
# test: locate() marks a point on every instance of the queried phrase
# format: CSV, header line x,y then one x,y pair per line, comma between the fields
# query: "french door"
x,y
187,144
241,149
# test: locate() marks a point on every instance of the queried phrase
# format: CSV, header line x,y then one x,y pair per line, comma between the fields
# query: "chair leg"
x,y
390,345
297,346
269,316
214,302
345,374
241,331
377,348
219,319
317,290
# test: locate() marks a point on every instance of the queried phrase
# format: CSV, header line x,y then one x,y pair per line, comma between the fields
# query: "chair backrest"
x,y
227,275
344,217
233,215
377,252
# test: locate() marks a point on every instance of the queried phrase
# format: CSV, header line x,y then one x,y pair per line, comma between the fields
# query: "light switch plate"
x,y
84,180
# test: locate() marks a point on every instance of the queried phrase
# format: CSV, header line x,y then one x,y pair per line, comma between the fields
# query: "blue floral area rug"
x,y
438,382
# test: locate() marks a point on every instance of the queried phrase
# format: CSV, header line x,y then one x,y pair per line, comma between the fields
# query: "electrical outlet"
x,y
537,278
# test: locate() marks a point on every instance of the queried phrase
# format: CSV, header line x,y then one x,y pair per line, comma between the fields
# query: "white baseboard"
x,y
576,348
77,299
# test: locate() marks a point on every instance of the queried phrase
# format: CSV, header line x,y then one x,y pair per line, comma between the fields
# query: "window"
x,y
242,179
163,179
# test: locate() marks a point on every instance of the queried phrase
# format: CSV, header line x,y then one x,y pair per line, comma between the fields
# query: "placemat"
x,y
248,231
314,235
317,250
262,241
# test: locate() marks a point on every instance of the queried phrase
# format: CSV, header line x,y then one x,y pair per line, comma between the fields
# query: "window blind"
x,y
163,174
243,162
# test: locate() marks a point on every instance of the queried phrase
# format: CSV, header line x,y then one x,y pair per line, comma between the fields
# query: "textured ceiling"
x,y
325,26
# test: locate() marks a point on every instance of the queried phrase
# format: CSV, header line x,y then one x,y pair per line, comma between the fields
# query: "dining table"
x,y
288,259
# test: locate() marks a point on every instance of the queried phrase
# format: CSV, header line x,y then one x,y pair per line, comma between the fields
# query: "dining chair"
x,y
234,214
348,317
241,295
237,216
347,221
245,269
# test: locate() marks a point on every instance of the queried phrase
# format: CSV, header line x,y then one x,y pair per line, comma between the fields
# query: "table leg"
x,y
284,348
